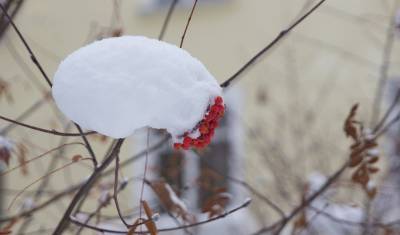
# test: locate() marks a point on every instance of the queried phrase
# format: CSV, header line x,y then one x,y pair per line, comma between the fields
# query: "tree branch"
x,y
62,225
187,23
278,38
53,132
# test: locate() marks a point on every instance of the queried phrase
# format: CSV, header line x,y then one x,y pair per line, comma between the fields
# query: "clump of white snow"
x,y
118,85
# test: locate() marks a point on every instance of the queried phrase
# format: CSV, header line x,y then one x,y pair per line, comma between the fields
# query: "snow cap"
x,y
118,85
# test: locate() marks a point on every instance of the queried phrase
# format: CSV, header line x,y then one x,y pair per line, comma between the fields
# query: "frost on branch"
x,y
118,85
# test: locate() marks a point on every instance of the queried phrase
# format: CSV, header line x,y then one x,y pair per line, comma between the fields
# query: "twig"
x,y
245,185
257,194
280,225
53,132
388,112
383,73
62,225
25,114
167,19
278,38
44,183
42,177
72,189
33,57
104,203
139,155
387,127
42,205
243,205
115,196
4,26
37,157
353,223
39,66
187,23
145,171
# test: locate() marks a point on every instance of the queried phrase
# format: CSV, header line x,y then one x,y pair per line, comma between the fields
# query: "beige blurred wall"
x,y
307,84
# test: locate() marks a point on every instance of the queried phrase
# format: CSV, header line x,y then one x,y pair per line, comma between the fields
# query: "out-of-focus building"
x,y
284,115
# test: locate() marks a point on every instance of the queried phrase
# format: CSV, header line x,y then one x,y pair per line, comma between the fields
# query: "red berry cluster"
x,y
206,127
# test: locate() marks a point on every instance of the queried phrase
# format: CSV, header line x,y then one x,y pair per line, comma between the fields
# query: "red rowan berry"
x,y
218,100
177,146
187,140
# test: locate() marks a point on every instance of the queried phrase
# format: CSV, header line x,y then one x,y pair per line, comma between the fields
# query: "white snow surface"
x,y
118,85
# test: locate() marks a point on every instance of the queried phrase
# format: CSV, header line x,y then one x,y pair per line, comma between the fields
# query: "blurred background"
x,y
280,139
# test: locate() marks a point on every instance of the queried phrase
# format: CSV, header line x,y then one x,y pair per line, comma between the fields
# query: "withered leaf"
x,y
22,150
215,205
7,228
147,209
5,155
349,125
301,222
361,175
77,158
370,143
170,201
373,169
151,226
371,192
135,225
373,160
355,160
5,91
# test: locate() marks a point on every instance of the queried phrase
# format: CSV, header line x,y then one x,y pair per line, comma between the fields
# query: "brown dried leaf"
x,y
373,160
151,227
373,169
215,205
147,209
301,222
5,91
22,150
349,127
371,192
99,137
7,228
132,229
77,158
361,175
149,223
370,143
356,145
388,231
169,200
5,155
117,32
355,160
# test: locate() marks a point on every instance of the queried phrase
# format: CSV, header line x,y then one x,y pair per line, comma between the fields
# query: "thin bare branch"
x,y
167,19
53,132
63,224
21,37
278,38
243,205
187,23
384,69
